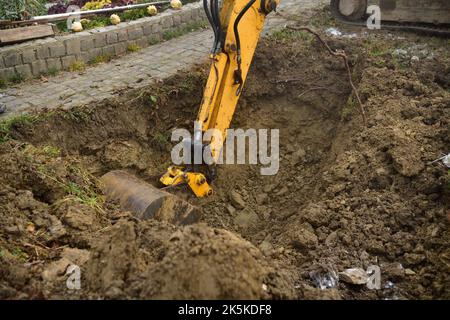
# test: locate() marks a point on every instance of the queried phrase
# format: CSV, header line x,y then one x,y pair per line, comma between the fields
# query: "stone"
x,y
135,33
28,55
24,70
375,247
120,48
246,219
166,22
147,29
156,28
142,43
112,37
186,16
409,272
237,200
87,44
42,52
12,58
73,46
67,61
108,51
303,239
7,73
100,40
58,50
231,210
414,258
355,276
176,20
393,271
54,64
122,35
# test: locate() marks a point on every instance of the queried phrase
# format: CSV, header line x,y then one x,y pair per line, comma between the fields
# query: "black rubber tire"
x,y
357,16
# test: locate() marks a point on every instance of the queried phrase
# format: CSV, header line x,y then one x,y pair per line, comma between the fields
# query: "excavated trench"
x,y
345,196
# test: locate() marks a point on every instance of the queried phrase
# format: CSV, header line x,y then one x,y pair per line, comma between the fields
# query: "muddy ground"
x,y
346,195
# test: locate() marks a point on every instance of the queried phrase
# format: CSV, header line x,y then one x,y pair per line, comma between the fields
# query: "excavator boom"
x,y
237,28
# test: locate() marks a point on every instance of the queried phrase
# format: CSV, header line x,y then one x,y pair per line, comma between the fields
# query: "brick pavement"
x,y
130,71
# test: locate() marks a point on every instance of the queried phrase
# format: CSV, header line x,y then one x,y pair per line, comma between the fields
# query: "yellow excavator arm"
x,y
237,28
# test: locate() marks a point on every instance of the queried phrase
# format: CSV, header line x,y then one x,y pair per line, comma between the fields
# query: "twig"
x,y
340,54
309,90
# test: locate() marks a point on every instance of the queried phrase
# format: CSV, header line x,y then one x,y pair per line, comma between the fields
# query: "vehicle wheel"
x,y
353,10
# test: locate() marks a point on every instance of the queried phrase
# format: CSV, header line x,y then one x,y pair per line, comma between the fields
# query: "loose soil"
x,y
346,195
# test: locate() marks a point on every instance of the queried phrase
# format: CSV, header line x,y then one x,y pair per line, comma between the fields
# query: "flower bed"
x,y
103,20
47,56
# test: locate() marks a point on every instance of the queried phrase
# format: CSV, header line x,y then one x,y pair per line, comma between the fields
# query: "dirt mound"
x,y
205,263
194,262
346,196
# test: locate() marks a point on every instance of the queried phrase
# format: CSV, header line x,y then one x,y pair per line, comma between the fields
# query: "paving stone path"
x,y
69,89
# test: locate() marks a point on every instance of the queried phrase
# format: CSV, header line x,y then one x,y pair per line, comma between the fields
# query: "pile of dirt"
x,y
346,196
196,262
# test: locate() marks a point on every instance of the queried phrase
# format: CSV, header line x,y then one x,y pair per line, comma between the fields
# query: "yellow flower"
x,y
152,10
176,4
77,27
115,19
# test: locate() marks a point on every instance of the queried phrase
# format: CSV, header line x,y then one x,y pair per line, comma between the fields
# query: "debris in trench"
x,y
356,276
324,277
334,32
445,160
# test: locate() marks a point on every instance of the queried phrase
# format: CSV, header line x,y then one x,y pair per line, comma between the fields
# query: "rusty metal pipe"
x,y
145,201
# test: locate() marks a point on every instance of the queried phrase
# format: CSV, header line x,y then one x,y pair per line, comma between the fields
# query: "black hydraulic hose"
x,y
236,31
211,22
218,23
214,8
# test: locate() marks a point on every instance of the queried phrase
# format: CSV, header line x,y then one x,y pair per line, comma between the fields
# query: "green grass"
x,y
84,194
78,115
104,58
16,78
51,151
52,72
77,66
133,47
19,254
152,99
97,22
153,40
160,139
288,35
7,125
